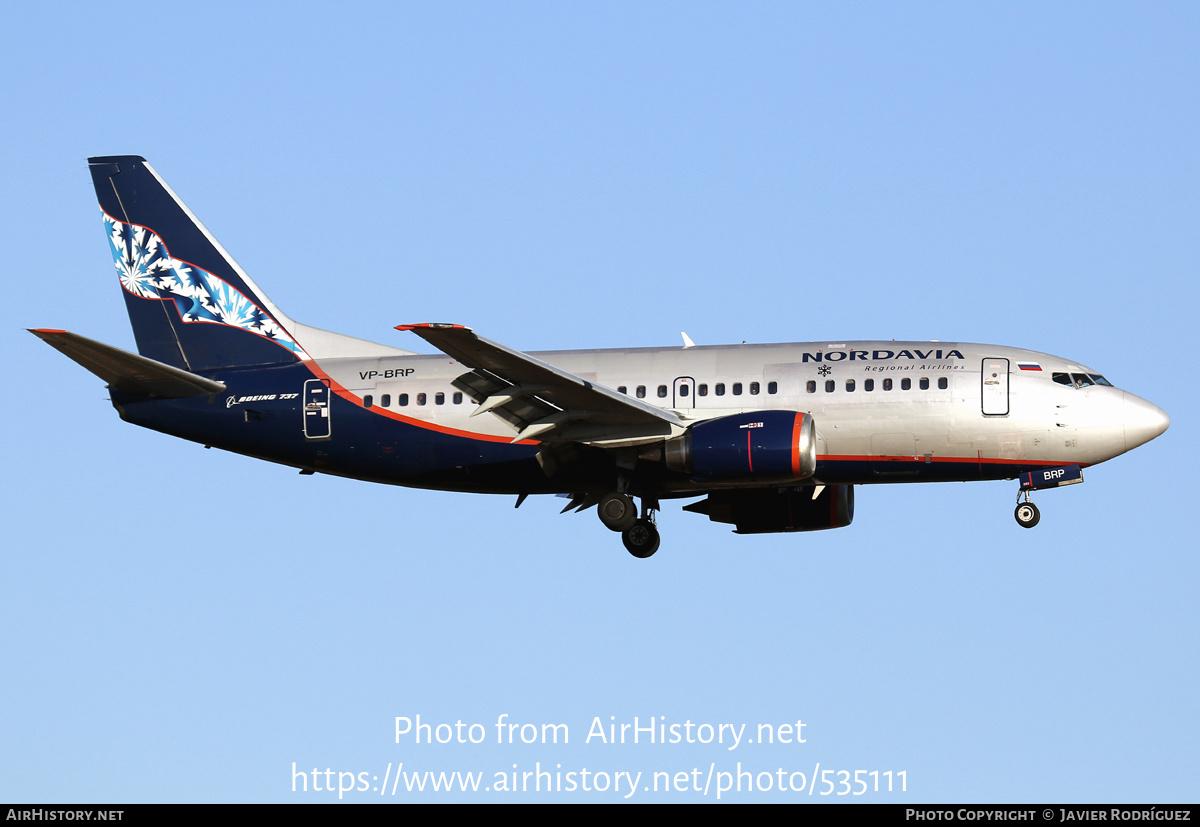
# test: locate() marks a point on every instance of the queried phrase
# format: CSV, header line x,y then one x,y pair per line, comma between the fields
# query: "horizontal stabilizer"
x,y
127,371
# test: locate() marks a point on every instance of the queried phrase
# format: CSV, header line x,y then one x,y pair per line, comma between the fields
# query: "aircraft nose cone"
x,y
1143,421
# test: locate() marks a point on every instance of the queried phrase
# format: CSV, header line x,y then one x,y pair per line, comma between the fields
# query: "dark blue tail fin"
x,y
190,304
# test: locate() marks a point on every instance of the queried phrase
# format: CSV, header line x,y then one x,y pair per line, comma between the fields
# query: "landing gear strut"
x,y
1027,513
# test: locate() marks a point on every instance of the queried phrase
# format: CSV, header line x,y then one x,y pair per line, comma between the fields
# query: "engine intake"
x,y
761,446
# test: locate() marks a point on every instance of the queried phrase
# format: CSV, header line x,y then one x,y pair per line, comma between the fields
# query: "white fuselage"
x,y
928,401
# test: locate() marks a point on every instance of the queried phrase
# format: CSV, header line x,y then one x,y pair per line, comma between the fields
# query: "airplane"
x,y
772,437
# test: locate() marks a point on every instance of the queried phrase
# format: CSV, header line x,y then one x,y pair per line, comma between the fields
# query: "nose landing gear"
x,y
1027,513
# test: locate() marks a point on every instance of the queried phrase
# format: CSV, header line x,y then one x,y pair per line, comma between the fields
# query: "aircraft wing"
x,y
541,401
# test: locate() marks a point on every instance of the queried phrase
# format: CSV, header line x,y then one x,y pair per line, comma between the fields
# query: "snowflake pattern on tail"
x,y
146,269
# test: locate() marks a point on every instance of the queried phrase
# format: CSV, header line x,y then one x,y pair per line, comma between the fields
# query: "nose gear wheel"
x,y
1027,515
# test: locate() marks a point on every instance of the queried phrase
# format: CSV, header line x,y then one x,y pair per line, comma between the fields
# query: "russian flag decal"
x,y
1029,366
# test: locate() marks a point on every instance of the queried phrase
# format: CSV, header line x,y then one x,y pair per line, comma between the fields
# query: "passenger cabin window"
x,y
772,387
403,399
943,383
439,399
420,399
622,389
386,400
641,391
811,387
754,389
662,391
683,390
368,401
737,388
830,385
458,399
850,385
905,384
924,383
703,390
887,384
720,389
868,385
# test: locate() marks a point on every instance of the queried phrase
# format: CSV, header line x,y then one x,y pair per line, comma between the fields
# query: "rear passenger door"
x,y
316,409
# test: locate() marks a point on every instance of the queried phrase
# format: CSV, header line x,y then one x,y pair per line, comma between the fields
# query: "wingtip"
x,y
431,326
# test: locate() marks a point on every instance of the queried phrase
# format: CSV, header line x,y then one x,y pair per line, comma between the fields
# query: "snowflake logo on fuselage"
x,y
824,370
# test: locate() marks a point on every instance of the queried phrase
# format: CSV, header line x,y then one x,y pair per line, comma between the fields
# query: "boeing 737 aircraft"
x,y
772,437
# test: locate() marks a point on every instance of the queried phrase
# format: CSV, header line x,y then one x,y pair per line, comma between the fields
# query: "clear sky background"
x,y
182,625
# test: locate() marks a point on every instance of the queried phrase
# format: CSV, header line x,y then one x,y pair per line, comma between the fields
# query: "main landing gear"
x,y
641,539
618,512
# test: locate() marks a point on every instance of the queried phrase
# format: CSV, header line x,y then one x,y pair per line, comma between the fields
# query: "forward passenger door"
x,y
994,387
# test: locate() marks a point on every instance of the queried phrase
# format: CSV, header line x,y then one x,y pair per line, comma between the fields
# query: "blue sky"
x,y
182,625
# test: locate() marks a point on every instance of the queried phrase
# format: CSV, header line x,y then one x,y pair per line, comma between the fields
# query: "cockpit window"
x,y
1080,380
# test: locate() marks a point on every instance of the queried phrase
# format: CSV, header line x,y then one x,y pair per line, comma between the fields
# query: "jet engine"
x,y
760,446
764,511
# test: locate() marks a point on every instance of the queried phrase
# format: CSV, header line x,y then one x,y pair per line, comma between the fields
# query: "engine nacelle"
x,y
761,446
779,509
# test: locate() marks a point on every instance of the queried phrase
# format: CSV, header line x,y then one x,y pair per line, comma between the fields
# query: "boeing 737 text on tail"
x,y
773,438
